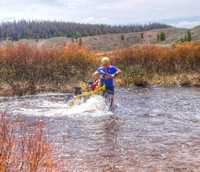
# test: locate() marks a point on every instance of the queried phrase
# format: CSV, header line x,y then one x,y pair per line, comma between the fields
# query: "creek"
x,y
153,129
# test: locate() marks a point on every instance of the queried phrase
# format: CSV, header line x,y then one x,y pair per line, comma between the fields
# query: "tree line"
x,y
35,29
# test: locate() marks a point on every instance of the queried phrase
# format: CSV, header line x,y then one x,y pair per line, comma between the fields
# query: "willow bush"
x,y
23,67
142,63
155,59
27,148
21,63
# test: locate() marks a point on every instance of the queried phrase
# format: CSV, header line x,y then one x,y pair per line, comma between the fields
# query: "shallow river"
x,y
152,129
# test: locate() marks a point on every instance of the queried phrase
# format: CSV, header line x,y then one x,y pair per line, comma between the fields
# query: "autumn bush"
x,y
24,148
144,61
176,59
25,66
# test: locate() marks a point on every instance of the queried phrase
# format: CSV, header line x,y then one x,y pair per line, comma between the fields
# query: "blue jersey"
x,y
111,70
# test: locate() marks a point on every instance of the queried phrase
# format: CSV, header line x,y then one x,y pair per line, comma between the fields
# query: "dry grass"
x,y
110,42
187,79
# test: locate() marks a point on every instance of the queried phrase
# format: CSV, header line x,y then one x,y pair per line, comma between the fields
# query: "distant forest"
x,y
47,29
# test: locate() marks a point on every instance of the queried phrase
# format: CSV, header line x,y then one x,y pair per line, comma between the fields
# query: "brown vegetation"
x,y
24,68
27,70
26,149
145,63
176,59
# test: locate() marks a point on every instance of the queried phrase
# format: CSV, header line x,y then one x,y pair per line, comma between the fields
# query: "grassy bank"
x,y
28,70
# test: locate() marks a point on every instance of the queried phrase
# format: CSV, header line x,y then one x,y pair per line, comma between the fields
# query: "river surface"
x,y
152,129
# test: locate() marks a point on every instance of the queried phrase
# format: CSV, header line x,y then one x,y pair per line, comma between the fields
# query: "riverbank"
x,y
24,88
29,70
189,79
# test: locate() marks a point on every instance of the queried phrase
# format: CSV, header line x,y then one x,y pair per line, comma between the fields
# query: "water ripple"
x,y
153,129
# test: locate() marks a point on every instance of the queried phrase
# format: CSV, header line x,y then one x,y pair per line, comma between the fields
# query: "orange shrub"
x,y
68,64
178,58
187,56
22,62
26,149
77,60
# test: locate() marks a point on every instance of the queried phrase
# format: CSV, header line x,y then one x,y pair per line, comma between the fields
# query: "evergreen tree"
x,y
162,36
46,29
122,37
189,36
158,38
185,38
142,35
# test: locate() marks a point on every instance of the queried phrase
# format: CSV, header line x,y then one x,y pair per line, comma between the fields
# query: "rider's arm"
x,y
95,74
118,72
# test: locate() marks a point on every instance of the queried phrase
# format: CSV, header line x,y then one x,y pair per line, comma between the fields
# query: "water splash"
x,y
95,106
48,105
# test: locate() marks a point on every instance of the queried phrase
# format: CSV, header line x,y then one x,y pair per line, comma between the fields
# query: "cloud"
x,y
160,8
90,19
104,11
7,19
186,24
76,4
94,20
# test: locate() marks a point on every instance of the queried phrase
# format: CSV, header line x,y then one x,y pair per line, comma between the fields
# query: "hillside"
x,y
112,41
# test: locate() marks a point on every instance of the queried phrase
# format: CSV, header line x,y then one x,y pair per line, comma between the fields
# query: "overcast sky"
x,y
179,13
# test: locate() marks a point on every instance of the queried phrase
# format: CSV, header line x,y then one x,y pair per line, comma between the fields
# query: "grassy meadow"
x,y
27,69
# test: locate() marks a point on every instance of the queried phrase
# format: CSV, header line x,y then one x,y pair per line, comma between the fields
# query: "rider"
x,y
107,69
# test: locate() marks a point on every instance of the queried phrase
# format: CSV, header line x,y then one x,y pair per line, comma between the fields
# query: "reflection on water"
x,y
153,129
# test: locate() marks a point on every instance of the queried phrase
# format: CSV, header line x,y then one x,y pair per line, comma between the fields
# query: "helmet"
x,y
105,60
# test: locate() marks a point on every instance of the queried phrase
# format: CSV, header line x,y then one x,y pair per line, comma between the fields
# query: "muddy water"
x,y
153,129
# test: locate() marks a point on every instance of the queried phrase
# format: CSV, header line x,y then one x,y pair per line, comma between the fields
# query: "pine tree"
x,y
158,38
185,38
142,35
162,36
189,36
46,29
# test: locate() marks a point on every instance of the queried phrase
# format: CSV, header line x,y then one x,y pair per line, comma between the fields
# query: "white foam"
x,y
95,106
42,106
